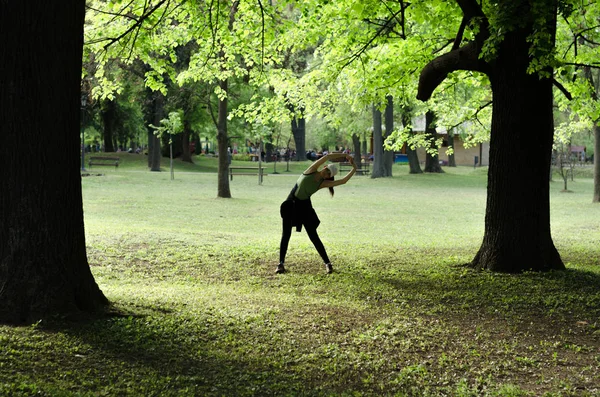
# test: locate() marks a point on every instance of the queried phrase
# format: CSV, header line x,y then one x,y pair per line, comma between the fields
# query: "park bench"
x,y
104,160
363,170
244,171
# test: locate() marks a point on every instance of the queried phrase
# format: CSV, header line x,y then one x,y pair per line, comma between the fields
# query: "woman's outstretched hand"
x,y
351,160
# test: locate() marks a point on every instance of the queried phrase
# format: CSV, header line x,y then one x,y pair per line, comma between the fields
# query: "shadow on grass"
x,y
157,352
569,295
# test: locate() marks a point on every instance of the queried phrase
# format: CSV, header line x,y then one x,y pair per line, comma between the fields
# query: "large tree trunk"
x,y
432,161
596,162
109,120
517,221
43,263
223,142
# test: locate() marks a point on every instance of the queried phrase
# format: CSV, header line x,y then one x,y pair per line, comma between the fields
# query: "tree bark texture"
x,y
154,140
517,221
432,161
451,159
413,159
357,151
153,114
388,155
43,262
299,133
596,162
186,154
223,190
109,121
378,161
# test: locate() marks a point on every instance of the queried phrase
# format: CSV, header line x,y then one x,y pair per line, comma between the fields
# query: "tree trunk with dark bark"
x,y
379,170
517,221
413,159
109,118
153,114
595,86
186,154
596,162
299,134
357,152
451,159
44,271
223,190
432,161
388,155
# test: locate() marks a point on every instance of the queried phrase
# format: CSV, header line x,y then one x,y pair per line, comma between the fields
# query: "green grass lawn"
x,y
202,313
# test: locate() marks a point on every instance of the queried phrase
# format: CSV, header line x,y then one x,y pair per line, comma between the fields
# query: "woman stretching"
x,y
297,209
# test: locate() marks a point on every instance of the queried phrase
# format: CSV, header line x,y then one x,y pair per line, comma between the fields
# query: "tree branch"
x,y
366,46
471,9
136,25
474,116
594,65
436,71
463,58
562,89
459,35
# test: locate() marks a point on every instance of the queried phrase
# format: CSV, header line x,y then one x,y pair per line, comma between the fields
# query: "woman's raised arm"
x,y
314,167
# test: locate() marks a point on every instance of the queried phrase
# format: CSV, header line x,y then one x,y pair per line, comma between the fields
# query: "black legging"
x,y
312,234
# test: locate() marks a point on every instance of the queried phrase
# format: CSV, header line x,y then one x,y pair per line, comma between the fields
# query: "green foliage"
x,y
170,126
331,61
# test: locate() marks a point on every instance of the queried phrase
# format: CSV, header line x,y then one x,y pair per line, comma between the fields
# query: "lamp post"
x,y
83,104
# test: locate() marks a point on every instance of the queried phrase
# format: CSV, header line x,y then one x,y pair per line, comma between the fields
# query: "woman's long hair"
x,y
331,188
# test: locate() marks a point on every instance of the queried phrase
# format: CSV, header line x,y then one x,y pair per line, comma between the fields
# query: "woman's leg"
x,y
314,237
285,239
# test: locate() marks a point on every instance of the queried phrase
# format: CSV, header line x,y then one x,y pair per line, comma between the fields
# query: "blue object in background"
x,y
400,158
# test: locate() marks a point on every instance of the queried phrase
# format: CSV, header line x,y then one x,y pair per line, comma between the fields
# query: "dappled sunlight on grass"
x,y
197,308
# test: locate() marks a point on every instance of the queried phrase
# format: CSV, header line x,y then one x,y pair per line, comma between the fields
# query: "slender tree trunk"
x,y
299,134
44,269
451,160
596,162
432,161
155,115
365,148
357,153
223,190
378,164
388,155
268,151
517,222
411,154
595,86
413,161
186,155
109,119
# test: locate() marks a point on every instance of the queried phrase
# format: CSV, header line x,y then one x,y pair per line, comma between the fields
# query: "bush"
x,y
241,157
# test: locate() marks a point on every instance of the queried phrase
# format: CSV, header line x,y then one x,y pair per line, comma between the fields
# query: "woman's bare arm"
x,y
345,179
314,167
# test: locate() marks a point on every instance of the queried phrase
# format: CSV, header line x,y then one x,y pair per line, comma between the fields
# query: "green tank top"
x,y
307,186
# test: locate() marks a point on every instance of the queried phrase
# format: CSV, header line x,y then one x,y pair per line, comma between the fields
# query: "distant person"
x,y
297,209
